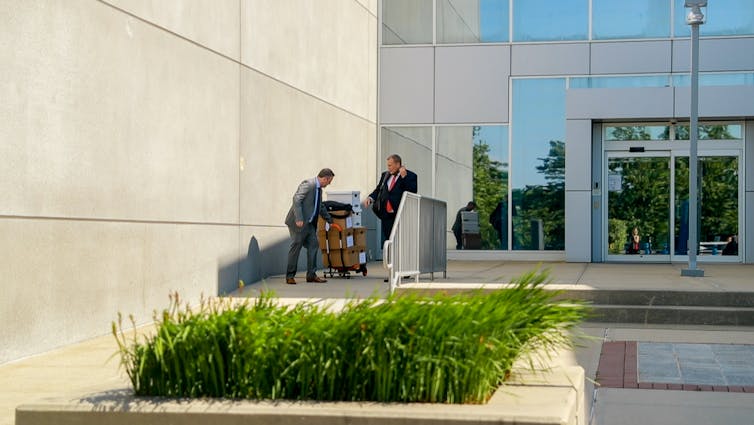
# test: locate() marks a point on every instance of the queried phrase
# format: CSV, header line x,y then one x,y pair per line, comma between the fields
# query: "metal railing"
x,y
417,243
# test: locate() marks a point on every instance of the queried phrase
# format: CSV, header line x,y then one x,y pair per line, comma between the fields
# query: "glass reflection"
x,y
406,22
638,206
472,21
472,164
718,205
614,19
731,79
538,168
710,132
548,20
618,82
636,132
724,17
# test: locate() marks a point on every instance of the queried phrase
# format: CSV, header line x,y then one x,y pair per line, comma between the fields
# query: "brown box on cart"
x,y
334,239
360,238
343,257
345,222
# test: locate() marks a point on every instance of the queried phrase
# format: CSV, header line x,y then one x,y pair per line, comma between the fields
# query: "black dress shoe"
x,y
316,279
290,280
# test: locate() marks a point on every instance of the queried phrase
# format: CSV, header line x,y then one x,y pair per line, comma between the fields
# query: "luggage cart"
x,y
341,260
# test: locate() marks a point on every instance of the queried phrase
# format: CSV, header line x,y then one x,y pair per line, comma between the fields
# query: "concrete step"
x,y
668,307
673,315
661,297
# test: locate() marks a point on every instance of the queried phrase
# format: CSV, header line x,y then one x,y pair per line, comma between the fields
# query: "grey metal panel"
x,y
716,101
748,241
597,184
578,226
622,103
718,54
578,155
550,59
406,85
472,84
749,159
630,57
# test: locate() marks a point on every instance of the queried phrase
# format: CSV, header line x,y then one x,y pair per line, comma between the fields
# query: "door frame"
x,y
671,151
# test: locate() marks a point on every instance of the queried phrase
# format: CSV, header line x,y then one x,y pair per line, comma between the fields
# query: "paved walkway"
x,y
90,368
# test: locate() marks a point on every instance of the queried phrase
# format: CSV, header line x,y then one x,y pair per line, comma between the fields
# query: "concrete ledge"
x,y
552,397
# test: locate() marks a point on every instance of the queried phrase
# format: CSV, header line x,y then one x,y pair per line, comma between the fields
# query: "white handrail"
x,y
417,242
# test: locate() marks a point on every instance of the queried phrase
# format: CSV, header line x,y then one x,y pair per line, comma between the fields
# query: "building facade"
x,y
153,146
568,123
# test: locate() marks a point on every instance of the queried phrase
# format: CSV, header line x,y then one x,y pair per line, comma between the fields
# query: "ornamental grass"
x,y
407,348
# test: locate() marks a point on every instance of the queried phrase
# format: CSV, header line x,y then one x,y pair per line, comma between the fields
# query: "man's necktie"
x,y
317,195
391,184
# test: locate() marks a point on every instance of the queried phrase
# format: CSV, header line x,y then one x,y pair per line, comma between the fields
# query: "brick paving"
x,y
619,367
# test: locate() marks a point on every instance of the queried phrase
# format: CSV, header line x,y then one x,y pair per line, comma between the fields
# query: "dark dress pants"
x,y
305,237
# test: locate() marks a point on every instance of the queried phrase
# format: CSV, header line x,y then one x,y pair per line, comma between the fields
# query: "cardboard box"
x,y
343,257
344,223
360,238
333,239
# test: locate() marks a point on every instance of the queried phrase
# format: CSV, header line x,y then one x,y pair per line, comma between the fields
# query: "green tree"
x,y
543,202
490,187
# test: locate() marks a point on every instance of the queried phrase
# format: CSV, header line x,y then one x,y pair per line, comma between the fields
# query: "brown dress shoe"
x,y
290,280
316,279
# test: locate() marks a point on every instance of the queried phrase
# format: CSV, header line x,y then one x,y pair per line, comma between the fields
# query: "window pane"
x,y
472,164
618,82
637,132
732,79
724,17
542,20
538,164
613,19
710,132
472,21
414,146
406,21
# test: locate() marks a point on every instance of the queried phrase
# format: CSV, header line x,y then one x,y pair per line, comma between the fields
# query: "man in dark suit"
x,y
389,191
302,225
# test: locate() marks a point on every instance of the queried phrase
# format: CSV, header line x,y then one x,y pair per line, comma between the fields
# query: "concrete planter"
x,y
552,397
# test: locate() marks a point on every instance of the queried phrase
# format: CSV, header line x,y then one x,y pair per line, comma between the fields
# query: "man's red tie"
x,y
389,206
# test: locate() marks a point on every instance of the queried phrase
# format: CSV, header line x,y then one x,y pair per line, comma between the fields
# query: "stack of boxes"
x,y
344,248
472,239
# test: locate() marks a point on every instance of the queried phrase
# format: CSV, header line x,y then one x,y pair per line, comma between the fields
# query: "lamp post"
x,y
694,17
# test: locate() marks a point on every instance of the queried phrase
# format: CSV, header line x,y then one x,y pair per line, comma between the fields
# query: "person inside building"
x,y
731,248
634,242
301,220
457,228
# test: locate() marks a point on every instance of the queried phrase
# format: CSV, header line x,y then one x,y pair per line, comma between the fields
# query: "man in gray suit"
x,y
302,225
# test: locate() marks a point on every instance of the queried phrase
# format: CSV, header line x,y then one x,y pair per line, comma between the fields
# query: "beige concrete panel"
x,y
265,252
210,23
372,102
288,136
65,281
105,116
370,5
414,145
320,47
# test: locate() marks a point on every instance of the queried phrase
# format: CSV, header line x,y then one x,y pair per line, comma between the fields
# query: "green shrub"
x,y
444,349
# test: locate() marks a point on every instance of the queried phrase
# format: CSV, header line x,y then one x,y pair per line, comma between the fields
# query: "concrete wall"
x,y
152,146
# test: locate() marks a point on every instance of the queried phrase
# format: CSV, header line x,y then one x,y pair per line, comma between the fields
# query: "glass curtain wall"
x,y
472,21
489,21
538,164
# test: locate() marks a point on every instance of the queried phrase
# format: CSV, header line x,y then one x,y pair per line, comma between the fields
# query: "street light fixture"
x,y
694,17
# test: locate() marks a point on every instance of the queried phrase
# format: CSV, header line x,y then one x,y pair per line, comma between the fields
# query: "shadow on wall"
x,y
259,263
254,266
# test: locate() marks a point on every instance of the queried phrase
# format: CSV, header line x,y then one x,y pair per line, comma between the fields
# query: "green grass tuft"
x,y
441,349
